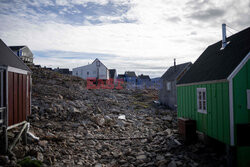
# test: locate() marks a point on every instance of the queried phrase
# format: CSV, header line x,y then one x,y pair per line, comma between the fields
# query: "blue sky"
x,y
140,35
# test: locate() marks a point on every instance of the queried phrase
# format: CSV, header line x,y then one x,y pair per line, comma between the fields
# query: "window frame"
x,y
201,103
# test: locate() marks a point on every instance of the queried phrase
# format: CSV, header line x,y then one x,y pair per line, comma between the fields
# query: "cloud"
x,y
174,19
209,14
144,36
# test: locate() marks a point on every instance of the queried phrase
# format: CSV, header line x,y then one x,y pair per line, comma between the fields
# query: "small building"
x,y
130,77
156,83
167,93
62,70
15,90
144,81
94,70
23,52
112,73
215,92
121,77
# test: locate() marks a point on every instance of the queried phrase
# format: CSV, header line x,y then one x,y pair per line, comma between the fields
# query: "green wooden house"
x,y
215,92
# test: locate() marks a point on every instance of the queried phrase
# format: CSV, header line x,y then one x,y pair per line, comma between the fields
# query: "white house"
x,y
94,70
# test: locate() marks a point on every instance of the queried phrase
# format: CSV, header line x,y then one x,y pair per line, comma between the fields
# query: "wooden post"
x,y
24,136
5,139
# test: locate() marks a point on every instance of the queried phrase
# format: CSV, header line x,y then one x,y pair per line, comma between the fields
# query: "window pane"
x,y
204,105
199,96
204,95
200,105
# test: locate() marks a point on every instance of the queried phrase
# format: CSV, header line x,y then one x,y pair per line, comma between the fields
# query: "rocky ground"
x,y
80,127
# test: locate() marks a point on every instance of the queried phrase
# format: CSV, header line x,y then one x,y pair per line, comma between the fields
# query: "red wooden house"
x,y
15,88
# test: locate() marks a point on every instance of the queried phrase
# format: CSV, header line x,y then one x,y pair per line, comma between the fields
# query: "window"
x,y
248,99
87,73
168,86
202,100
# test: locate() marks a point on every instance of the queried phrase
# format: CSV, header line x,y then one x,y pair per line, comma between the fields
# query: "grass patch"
x,y
28,162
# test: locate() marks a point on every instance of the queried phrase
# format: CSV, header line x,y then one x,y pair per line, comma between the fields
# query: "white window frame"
x,y
248,98
201,101
168,84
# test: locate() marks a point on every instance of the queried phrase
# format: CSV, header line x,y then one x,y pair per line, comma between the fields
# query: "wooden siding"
x,y
216,122
18,104
241,82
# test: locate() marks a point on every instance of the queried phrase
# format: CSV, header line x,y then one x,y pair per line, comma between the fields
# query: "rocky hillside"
x,y
80,127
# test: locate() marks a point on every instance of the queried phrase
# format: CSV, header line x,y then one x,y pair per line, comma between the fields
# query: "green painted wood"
x,y
216,122
241,82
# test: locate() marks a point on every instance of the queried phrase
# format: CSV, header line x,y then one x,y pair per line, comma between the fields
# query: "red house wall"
x,y
18,97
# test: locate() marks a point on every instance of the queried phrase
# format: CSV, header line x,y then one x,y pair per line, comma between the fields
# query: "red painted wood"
x,y
10,99
24,96
15,98
20,98
29,93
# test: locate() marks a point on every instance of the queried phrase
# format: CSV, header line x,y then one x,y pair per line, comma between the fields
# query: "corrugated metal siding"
x,y
19,98
216,122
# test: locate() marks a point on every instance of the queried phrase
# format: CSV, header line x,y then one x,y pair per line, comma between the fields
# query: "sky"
x,y
127,35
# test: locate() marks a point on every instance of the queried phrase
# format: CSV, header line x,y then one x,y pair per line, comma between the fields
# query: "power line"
x,y
232,28
230,32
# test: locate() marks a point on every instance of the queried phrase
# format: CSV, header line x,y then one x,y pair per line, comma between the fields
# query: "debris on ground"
x,y
80,127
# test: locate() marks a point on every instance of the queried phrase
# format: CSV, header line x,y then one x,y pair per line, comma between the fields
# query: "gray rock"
x,y
141,157
172,164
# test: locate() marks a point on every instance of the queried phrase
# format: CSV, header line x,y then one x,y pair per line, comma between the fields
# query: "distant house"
x,y
130,77
23,52
156,83
63,70
167,94
215,92
143,79
112,73
94,70
121,76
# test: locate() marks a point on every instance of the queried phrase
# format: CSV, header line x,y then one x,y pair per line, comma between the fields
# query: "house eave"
x,y
203,82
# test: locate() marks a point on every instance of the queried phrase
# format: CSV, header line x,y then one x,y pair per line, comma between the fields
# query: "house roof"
x,y
120,76
91,64
130,74
112,73
174,71
217,64
144,77
8,58
15,48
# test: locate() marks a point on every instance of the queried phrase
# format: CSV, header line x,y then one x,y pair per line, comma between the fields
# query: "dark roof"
x,y
15,48
8,58
217,64
130,74
112,73
173,72
120,76
144,77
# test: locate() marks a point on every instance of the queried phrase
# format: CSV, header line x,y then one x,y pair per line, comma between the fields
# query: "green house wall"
x,y
216,122
241,82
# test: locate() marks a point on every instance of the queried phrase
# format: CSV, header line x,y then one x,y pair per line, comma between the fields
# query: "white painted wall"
x,y
91,70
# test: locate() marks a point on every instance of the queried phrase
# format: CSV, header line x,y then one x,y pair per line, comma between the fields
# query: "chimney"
x,y
174,64
224,36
